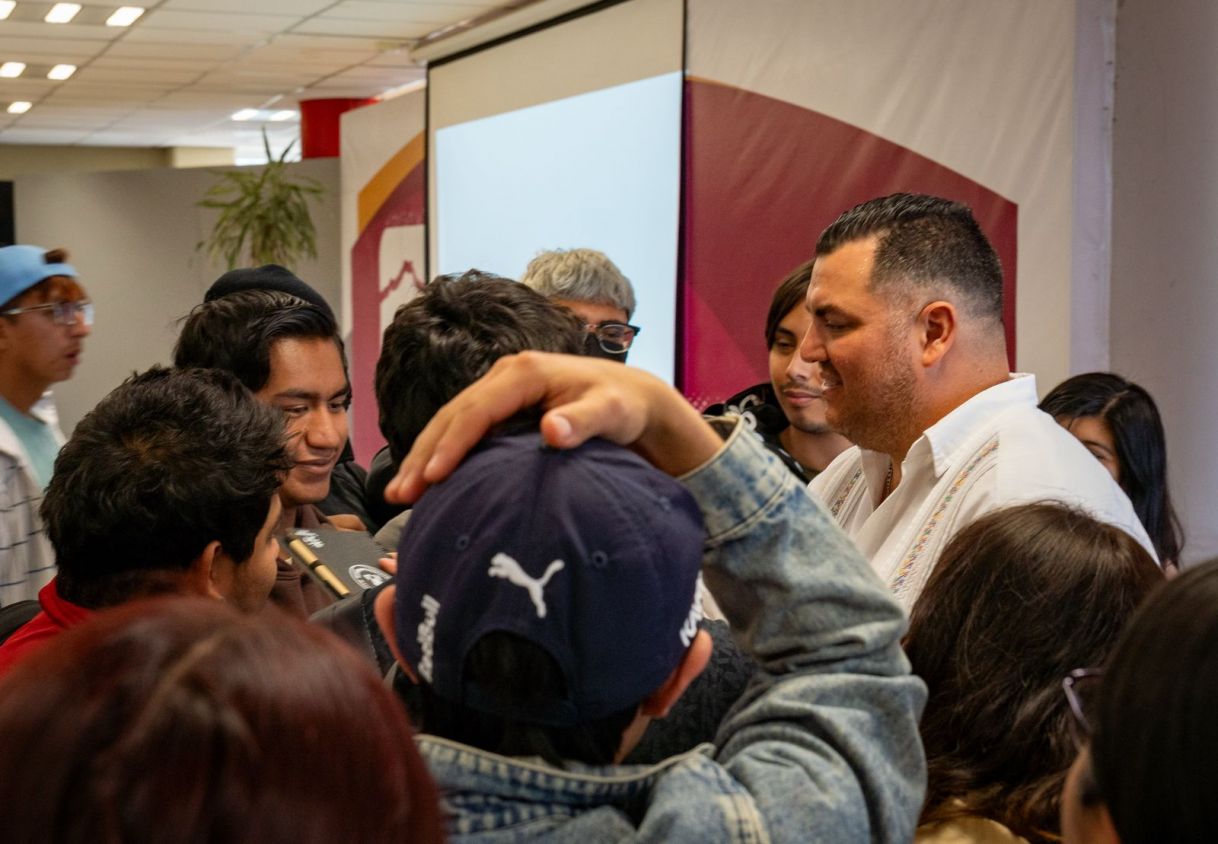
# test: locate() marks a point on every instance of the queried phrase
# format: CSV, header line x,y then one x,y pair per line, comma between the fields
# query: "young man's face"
x,y
796,382
309,385
43,351
254,577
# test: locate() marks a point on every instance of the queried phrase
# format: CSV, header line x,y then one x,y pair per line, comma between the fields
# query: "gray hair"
x,y
582,275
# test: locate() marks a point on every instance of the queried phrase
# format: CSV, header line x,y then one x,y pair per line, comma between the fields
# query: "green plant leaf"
x,y
263,214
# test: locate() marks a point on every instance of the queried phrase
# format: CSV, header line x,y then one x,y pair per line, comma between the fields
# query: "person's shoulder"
x,y
1041,461
27,639
742,402
696,798
1035,452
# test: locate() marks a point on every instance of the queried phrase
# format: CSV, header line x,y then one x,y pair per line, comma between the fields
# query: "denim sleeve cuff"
x,y
726,503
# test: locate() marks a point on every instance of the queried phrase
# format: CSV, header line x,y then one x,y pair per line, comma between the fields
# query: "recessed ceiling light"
x,y
124,16
18,107
286,114
245,114
62,12
11,70
61,71
6,8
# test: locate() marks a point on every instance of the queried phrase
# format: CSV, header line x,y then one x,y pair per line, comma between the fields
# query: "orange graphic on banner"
x,y
391,174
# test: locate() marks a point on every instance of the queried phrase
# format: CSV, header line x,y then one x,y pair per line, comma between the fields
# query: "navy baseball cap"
x,y
21,267
591,554
266,277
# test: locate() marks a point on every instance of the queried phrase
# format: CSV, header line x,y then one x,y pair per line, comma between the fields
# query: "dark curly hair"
x,y
448,336
168,462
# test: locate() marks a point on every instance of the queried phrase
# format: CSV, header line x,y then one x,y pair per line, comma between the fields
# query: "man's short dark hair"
x,y
236,332
171,460
923,241
448,336
790,294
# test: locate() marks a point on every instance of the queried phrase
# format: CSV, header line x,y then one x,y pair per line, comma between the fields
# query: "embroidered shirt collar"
x,y
941,441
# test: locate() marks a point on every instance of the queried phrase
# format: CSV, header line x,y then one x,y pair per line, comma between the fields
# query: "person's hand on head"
x,y
582,398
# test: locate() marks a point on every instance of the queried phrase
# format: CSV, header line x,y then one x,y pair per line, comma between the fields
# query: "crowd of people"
x,y
888,595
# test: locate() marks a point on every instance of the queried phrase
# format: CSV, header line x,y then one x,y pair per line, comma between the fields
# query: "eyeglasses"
x,y
64,313
1081,687
614,337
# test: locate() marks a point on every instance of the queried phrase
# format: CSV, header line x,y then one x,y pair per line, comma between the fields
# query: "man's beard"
x,y
883,425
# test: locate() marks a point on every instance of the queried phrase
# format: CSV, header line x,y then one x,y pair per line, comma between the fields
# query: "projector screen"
x,y
579,150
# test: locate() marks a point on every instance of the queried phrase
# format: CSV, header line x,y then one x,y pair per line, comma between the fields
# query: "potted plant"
x,y
264,214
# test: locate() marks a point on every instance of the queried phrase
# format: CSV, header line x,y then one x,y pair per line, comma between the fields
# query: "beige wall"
x,y
18,160
132,237
1165,255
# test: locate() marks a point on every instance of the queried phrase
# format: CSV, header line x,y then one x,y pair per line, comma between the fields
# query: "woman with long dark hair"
x,y
1119,423
1018,599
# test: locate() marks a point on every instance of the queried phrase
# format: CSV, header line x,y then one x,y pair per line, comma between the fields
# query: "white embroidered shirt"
x,y
995,450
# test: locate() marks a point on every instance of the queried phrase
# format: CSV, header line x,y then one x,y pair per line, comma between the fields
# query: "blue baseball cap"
x,y
591,554
21,267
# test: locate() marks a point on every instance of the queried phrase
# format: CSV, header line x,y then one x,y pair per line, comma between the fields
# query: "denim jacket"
x,y
822,746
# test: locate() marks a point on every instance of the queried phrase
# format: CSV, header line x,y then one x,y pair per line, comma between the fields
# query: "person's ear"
x,y
211,573
660,702
386,619
937,330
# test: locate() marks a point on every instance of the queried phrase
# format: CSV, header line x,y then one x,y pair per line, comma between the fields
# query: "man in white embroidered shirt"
x,y
906,304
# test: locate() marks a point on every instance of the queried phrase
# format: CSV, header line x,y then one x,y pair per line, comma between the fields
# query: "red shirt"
x,y
56,616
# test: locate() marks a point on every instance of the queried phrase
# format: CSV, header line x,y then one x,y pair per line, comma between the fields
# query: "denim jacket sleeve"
x,y
825,737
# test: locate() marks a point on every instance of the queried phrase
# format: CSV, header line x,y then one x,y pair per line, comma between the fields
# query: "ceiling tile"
x,y
17,135
369,28
435,14
394,58
25,88
220,22
161,78
296,8
178,74
214,53
80,32
371,46
70,49
195,38
179,65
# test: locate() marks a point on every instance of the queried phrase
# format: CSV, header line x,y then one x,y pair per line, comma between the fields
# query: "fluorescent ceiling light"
x,y
286,114
62,12
245,114
124,16
61,71
6,8
18,107
11,70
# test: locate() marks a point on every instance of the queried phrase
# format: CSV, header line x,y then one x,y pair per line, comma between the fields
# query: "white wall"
x,y
1165,250
132,238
